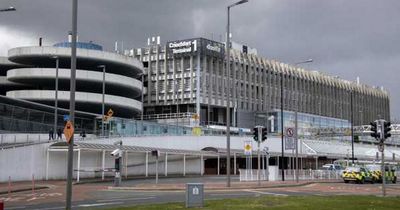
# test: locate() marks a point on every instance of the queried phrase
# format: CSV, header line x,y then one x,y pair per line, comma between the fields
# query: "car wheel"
x,y
362,181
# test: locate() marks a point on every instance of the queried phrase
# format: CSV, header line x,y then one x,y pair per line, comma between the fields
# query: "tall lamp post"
x,y
282,143
102,99
56,96
228,67
68,200
9,9
142,100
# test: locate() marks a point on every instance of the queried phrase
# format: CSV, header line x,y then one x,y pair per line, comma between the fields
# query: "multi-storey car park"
x,y
29,74
190,76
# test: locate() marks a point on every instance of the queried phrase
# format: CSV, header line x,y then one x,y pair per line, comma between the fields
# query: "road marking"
x,y
98,204
125,199
228,194
265,193
50,208
19,207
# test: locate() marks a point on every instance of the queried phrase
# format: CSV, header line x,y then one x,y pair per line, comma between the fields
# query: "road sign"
x,y
110,113
289,132
68,131
290,143
247,147
381,147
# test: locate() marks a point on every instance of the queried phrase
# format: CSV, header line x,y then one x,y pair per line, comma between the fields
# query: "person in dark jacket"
x,y
59,134
51,134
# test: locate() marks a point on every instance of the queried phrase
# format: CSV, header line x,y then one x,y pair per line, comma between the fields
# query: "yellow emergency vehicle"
x,y
357,174
390,172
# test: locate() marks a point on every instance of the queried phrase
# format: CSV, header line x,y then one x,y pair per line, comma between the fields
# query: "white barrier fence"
x,y
251,175
31,138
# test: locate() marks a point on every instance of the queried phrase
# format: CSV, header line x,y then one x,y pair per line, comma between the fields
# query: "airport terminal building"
x,y
192,74
181,79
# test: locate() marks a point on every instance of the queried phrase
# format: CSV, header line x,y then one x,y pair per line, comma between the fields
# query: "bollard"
x,y
33,184
9,186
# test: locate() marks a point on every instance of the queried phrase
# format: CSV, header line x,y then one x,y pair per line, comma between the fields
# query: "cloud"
x,y
10,38
345,38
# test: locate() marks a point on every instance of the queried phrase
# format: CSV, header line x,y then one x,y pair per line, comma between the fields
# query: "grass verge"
x,y
290,202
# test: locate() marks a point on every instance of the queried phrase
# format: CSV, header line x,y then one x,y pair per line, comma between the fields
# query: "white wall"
x,y
21,163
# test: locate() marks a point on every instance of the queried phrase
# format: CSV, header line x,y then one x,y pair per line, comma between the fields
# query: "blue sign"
x,y
66,117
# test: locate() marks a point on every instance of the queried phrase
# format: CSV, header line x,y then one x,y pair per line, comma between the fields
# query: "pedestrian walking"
x,y
59,134
51,134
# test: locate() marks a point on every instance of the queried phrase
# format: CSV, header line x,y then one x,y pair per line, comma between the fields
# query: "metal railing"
x,y
251,175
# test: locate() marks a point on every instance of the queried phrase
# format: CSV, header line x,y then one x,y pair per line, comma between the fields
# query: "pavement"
x,y
90,194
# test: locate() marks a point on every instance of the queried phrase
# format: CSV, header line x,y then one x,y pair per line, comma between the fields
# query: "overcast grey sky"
x,y
348,38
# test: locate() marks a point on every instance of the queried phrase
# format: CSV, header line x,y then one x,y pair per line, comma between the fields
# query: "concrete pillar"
x,y
262,162
166,164
147,165
126,165
234,163
103,164
218,164
201,165
78,165
47,164
277,159
316,162
184,164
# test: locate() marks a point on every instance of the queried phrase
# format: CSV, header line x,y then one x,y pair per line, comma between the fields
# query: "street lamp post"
x,y
228,67
352,129
9,9
56,97
102,100
177,102
142,98
282,143
68,199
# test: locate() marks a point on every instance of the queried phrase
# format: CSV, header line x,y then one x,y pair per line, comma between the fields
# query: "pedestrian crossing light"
x,y
374,129
255,133
386,130
264,134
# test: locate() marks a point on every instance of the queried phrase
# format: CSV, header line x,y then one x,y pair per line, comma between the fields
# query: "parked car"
x,y
390,172
358,174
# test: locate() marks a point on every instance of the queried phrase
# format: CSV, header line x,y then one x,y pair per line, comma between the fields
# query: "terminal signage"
x,y
190,47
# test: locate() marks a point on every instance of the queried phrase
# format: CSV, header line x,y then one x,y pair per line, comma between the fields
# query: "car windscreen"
x,y
373,167
352,169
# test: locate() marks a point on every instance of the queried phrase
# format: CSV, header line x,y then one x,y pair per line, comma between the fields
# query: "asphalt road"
x,y
107,198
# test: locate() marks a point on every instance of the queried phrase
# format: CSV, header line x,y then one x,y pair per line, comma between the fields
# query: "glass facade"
x,y
82,45
128,127
24,120
308,124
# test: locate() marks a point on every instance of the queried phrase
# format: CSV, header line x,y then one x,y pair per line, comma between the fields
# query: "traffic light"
x,y
386,130
374,129
255,133
264,134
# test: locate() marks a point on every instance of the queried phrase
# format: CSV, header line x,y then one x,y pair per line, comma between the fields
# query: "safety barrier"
x,y
251,175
